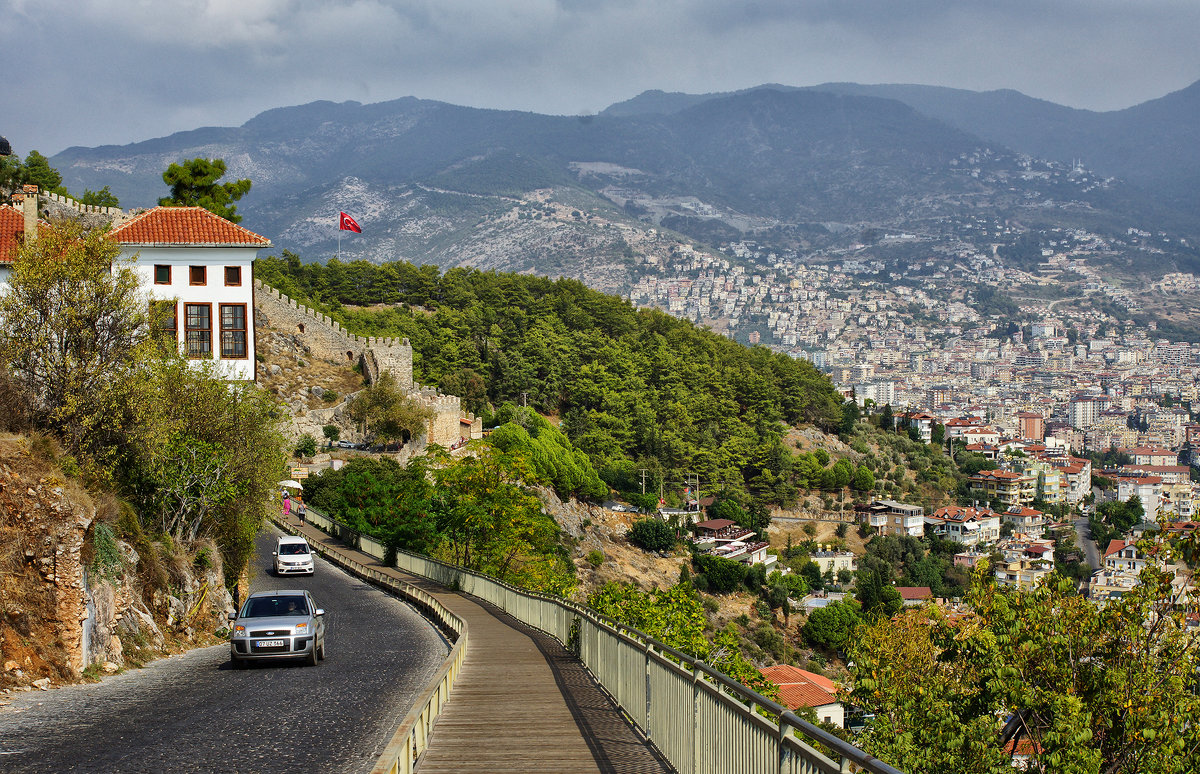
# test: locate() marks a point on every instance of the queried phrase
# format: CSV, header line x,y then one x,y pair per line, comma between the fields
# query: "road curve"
x,y
194,713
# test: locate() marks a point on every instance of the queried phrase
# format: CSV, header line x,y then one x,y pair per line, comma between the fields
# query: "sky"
x,y
94,72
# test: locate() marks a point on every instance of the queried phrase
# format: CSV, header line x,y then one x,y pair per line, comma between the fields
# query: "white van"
x,y
293,556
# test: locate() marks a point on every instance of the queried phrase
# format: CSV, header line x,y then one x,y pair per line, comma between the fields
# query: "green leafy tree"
x,y
101,198
675,617
387,413
651,535
194,184
864,479
1085,687
37,171
490,521
723,575
74,323
830,627
332,433
875,593
306,446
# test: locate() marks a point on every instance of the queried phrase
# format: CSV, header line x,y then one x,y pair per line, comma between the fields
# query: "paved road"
x,y
1083,536
193,713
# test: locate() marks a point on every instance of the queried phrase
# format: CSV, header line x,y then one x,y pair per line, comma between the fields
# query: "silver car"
x,y
277,624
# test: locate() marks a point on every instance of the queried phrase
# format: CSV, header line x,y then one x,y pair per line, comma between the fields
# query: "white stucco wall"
x,y
214,291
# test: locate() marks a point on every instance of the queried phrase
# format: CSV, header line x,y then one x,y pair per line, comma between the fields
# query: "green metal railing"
x,y
701,720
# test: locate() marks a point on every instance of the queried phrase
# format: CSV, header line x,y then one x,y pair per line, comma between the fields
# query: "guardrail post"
x,y
695,717
646,654
779,741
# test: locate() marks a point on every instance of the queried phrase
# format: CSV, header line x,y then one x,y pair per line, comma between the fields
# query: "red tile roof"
x,y
800,688
1114,546
910,593
185,226
12,226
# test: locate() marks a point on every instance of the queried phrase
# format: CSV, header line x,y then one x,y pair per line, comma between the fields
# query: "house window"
x,y
198,329
163,315
198,275
162,274
233,275
233,331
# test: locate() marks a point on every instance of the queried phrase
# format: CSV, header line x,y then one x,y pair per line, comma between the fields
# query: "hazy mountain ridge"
x,y
439,183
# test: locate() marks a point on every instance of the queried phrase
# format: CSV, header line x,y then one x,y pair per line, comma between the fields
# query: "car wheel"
x,y
311,658
321,651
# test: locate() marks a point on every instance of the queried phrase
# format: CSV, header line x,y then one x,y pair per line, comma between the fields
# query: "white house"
x,y
198,264
202,267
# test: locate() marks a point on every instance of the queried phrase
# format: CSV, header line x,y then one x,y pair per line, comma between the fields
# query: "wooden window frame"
x,y
192,270
174,329
237,272
158,266
244,330
188,330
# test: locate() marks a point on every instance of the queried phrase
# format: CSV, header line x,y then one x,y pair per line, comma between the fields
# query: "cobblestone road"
x,y
193,713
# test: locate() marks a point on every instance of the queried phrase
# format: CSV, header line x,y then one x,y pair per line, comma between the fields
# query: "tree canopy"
x,y
1082,687
633,389
194,184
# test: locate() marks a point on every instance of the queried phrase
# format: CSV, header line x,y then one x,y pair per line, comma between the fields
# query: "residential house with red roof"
x,y
969,526
198,265
201,268
800,688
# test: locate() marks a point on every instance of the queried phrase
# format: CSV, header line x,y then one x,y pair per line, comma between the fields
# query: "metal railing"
x,y
411,737
701,720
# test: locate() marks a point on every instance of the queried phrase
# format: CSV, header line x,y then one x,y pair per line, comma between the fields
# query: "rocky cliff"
x,y
75,598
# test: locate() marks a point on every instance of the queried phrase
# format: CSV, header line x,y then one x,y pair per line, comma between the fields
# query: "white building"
x,y
201,266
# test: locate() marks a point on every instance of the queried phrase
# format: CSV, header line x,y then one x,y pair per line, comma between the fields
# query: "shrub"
x,y
330,396
722,575
651,535
306,446
595,558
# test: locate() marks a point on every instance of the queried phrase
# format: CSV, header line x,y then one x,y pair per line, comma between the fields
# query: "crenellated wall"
x,y
327,339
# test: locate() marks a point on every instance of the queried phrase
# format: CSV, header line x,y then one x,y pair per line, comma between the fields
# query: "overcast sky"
x,y
92,72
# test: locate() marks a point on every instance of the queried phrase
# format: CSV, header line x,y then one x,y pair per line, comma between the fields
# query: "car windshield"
x,y
267,607
291,549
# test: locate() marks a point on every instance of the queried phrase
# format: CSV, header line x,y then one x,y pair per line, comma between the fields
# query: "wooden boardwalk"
x,y
522,702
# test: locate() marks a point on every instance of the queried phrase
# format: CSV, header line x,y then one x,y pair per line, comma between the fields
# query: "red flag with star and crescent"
x,y
347,223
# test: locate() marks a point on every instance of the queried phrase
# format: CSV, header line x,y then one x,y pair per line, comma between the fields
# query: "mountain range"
x,y
437,183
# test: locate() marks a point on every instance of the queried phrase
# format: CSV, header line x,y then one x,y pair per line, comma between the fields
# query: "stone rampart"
x,y
327,339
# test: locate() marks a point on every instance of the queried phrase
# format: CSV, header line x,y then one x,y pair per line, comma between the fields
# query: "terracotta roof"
x,y
909,593
12,225
800,688
714,524
1114,546
185,226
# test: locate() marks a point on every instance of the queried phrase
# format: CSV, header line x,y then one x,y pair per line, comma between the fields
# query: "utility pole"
x,y
525,399
644,472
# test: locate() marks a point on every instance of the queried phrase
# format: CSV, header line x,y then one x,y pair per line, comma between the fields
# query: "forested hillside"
x,y
634,389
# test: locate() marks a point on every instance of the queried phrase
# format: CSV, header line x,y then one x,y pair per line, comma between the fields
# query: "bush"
x,y
330,396
722,575
595,558
306,446
651,535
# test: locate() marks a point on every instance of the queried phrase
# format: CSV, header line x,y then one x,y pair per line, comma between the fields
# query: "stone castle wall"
x,y
328,340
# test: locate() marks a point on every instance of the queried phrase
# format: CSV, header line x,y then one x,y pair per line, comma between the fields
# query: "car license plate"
x,y
270,643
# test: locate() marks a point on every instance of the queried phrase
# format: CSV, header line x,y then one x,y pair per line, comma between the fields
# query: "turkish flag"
x,y
347,223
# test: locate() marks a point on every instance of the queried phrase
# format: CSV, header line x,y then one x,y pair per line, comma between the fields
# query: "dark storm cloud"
x,y
96,71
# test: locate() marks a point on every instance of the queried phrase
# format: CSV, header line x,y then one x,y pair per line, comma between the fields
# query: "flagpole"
x,y
338,256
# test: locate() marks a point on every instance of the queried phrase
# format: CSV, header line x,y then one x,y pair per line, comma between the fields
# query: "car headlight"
x,y
301,628
239,630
